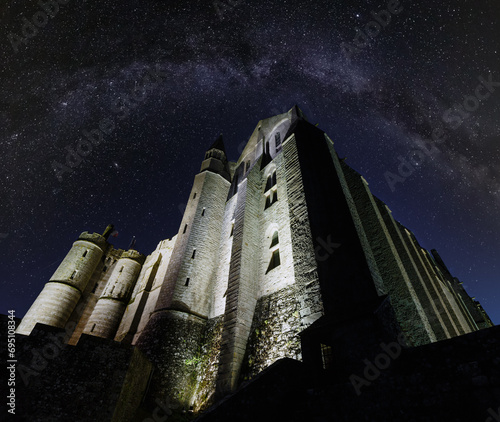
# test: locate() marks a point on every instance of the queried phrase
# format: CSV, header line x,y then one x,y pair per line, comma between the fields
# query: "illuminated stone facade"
x,y
267,246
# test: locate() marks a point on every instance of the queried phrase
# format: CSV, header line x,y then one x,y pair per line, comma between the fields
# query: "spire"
x,y
218,144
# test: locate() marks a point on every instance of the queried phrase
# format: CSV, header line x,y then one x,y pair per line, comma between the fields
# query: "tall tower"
x,y
61,294
111,305
173,334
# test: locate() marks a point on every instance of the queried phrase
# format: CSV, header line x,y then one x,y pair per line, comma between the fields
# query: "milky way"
x,y
169,78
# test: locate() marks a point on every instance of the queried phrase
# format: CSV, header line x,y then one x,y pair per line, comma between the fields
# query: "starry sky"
x,y
163,79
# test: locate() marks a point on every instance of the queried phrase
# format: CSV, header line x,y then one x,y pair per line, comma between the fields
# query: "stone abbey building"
x,y
282,256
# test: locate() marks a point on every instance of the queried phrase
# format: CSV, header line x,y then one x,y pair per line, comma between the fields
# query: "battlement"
x,y
96,238
133,254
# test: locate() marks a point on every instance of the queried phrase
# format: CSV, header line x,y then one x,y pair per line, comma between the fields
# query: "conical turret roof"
x,y
218,144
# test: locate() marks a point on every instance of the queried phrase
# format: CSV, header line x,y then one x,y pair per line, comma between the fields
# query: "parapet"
x,y
133,254
96,238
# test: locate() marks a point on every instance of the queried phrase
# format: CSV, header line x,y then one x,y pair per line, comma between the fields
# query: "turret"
x,y
183,304
216,160
61,294
187,284
111,305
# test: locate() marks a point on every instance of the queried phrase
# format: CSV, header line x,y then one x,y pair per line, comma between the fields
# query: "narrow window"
x,y
92,329
95,288
268,202
187,282
232,229
236,184
275,240
73,275
121,269
104,269
269,183
326,356
277,139
112,288
248,165
185,228
203,212
85,253
194,195
275,260
271,198
194,253
267,147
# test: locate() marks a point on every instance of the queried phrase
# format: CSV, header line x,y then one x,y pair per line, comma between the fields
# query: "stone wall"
x,y
242,282
205,365
92,381
405,293
220,279
274,333
146,291
173,342
452,380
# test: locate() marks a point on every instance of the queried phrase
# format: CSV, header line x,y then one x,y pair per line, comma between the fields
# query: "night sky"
x,y
164,79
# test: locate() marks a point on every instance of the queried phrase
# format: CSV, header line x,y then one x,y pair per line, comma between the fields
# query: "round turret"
x,y
61,294
111,305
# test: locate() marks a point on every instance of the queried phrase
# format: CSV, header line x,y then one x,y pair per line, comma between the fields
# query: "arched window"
x,y
271,198
270,190
271,181
269,184
275,239
275,253
277,139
